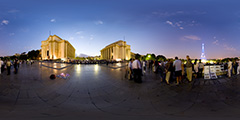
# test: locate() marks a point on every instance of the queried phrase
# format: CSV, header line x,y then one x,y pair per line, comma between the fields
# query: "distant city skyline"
x,y
163,27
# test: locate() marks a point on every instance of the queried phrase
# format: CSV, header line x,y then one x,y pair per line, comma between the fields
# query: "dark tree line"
x,y
151,57
33,55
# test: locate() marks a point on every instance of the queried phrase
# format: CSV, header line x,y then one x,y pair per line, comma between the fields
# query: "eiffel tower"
x,y
203,57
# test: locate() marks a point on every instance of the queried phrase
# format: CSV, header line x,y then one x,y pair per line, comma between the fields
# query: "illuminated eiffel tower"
x,y
203,57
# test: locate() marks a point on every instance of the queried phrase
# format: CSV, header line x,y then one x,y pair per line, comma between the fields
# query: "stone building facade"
x,y
116,51
56,48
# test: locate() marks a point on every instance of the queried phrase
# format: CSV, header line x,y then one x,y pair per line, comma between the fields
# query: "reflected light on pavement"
x,y
78,68
118,64
54,65
63,65
96,68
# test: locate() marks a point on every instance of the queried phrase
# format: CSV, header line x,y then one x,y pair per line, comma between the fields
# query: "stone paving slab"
x,y
103,92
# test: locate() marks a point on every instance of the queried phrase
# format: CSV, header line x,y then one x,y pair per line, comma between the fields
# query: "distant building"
x,y
56,48
116,51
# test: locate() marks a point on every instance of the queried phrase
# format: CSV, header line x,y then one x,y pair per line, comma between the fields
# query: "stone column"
x,y
50,50
105,55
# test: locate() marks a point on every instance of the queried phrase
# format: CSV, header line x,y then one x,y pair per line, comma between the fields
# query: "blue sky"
x,y
164,27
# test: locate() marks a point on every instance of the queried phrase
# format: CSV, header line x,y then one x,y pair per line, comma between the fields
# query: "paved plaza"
x,y
102,92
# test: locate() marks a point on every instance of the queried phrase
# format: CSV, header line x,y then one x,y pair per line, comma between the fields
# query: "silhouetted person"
x,y
200,68
229,68
137,71
189,68
16,64
1,64
8,67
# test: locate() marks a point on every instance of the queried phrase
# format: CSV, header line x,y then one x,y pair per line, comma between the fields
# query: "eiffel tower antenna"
x,y
203,53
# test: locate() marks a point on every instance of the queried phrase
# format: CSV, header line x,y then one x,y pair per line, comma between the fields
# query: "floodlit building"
x,y
56,48
116,51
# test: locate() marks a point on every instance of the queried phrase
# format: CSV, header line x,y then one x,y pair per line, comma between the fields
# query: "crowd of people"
x,y
174,69
170,70
8,64
233,67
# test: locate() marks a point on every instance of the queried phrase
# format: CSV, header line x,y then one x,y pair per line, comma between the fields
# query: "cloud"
x,y
99,22
13,11
79,32
28,47
170,23
53,20
191,38
226,47
176,24
181,28
177,13
216,42
11,34
81,37
91,37
164,14
71,38
4,22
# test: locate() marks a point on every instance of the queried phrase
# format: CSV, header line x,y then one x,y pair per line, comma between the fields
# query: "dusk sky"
x,y
163,27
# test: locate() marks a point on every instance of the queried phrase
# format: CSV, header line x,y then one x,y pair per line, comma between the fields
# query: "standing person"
x,y
136,66
31,62
200,68
189,68
156,64
238,69
169,66
144,66
150,65
195,66
162,71
16,64
1,63
235,66
183,70
178,69
8,64
153,67
130,71
229,68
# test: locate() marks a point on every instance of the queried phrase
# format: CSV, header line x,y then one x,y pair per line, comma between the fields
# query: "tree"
x,y
34,54
225,59
80,58
153,56
23,57
143,57
150,57
12,57
137,56
161,58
